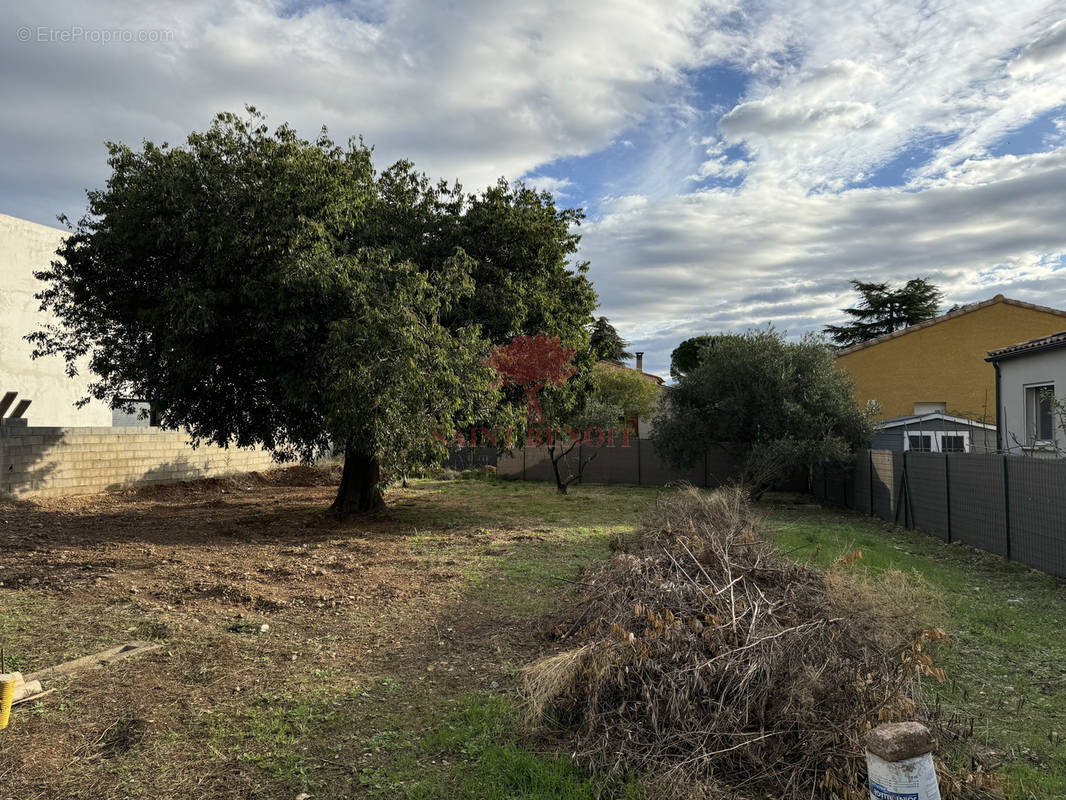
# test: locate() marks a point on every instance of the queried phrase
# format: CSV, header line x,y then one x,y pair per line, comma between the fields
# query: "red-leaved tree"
x,y
533,362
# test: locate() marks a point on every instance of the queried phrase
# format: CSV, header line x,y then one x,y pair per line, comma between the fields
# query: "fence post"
x,y
523,463
870,453
1006,502
947,490
640,475
902,491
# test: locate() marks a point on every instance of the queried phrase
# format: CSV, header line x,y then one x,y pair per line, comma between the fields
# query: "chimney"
x,y
640,362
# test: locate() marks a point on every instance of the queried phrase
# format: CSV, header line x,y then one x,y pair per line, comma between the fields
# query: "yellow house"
x,y
940,365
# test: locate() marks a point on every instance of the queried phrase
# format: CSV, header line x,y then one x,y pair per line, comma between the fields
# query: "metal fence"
x,y
635,463
1014,506
460,458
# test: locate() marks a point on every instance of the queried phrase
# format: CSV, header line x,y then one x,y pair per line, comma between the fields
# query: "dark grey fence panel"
x,y
1037,495
927,507
863,474
510,465
601,468
461,458
625,464
634,462
959,496
1014,506
836,486
654,471
977,501
538,465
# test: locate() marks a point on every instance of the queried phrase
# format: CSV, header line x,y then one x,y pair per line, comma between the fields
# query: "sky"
x,y
739,162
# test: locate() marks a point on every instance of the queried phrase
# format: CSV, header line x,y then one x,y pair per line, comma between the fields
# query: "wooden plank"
x,y
31,697
24,690
101,659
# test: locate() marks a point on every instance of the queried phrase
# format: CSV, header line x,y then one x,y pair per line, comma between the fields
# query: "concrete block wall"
x,y
43,462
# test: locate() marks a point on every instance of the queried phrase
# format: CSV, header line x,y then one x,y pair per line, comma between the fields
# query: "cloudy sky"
x,y
739,162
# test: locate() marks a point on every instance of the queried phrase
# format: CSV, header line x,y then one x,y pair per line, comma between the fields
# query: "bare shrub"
x,y
706,658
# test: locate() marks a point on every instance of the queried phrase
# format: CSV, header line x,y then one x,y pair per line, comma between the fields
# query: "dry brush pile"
x,y
715,663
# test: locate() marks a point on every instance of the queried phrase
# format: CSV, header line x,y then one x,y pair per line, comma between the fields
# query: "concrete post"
x,y
899,762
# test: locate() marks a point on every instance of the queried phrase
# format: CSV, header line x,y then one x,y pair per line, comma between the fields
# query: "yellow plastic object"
x,y
7,694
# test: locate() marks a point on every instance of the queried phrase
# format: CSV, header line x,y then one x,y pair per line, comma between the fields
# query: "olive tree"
x,y
261,289
776,405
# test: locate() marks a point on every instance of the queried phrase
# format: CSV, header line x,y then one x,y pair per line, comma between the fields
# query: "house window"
x,y
1039,414
952,444
937,441
919,443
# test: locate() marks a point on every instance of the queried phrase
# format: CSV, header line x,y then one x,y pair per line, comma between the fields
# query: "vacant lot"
x,y
391,650
389,664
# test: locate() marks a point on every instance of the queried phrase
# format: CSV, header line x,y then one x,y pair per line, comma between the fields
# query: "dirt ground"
x,y
374,625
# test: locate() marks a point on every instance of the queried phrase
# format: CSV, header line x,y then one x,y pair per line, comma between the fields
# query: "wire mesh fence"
x,y
1013,506
636,463
460,458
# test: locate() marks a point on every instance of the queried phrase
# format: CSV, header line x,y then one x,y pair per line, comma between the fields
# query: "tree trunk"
x,y
560,484
360,489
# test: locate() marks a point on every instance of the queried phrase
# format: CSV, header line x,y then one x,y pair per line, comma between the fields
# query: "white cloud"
x,y
728,260
1047,50
850,85
473,91
837,90
546,183
718,163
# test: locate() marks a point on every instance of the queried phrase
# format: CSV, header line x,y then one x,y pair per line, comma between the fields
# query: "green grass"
x,y
518,549
483,761
1007,665
472,753
365,726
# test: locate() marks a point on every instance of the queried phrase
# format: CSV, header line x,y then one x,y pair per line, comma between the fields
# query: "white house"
x,y
24,248
1030,387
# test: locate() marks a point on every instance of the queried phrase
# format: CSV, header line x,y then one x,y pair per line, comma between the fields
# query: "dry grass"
x,y
707,658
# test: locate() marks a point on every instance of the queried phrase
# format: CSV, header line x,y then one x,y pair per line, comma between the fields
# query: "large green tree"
x,y
686,356
520,243
522,247
606,343
777,405
258,288
882,309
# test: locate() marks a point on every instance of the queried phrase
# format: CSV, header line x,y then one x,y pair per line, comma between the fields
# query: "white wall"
x,y
26,247
1016,373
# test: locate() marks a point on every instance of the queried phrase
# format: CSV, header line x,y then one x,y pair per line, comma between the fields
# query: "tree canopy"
x,y
259,288
882,309
606,344
686,356
532,363
629,391
776,404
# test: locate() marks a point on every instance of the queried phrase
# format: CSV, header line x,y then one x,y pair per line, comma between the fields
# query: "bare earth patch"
x,y
372,624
